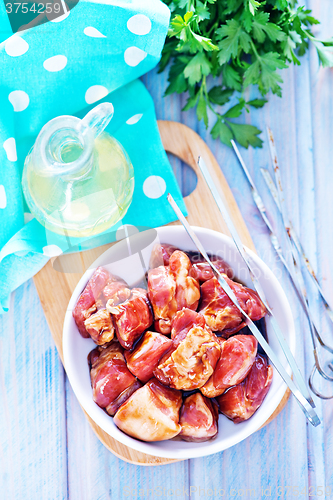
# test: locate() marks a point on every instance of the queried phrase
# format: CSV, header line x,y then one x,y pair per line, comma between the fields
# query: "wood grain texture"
x,y
287,452
55,288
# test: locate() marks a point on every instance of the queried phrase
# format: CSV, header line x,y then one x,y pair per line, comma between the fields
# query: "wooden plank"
x,y
320,445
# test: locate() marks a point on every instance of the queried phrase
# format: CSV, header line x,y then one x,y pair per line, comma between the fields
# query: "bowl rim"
x,y
198,449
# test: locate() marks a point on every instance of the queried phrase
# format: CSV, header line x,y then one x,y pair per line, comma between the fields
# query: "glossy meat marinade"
x,y
164,354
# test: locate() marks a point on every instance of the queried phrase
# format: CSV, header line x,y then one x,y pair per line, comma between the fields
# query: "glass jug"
x,y
77,179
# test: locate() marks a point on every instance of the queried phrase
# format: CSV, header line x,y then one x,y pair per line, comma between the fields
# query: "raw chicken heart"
x,y
151,413
237,357
146,355
170,288
193,356
220,313
131,317
161,254
111,380
86,304
198,418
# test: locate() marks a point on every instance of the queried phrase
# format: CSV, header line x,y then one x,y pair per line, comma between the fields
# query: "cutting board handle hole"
x,y
186,177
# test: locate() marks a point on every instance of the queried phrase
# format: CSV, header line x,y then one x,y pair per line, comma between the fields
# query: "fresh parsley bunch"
x,y
239,43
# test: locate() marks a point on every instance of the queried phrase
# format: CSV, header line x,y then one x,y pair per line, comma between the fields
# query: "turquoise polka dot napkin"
x,y
93,53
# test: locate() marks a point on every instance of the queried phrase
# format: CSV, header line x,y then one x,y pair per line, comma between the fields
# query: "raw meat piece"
x,y
220,313
192,358
116,291
100,327
161,293
241,401
131,317
198,418
86,304
146,355
161,254
170,288
203,272
111,380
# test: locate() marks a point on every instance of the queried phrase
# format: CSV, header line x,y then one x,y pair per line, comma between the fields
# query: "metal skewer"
x,y
262,209
238,242
300,279
304,404
298,252
296,278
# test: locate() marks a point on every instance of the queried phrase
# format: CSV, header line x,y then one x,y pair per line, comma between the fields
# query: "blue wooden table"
x,y
47,449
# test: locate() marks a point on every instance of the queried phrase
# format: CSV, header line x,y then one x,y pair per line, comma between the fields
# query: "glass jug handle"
x,y
97,119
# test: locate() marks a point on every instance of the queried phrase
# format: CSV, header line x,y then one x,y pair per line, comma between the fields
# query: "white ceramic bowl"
x,y
130,267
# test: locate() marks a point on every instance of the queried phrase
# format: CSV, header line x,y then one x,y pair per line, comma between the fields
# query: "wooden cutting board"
x,y
55,288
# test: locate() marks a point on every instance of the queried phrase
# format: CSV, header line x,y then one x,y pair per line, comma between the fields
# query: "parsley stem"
x,y
215,25
203,90
254,49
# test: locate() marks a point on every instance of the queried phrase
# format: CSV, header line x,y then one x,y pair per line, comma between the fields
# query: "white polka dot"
x,y
60,18
19,100
16,46
10,148
95,93
133,56
55,63
3,197
22,253
154,186
28,217
139,24
125,231
93,32
52,250
134,119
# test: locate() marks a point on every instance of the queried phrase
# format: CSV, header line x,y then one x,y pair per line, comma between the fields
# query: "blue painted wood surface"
x,y
47,449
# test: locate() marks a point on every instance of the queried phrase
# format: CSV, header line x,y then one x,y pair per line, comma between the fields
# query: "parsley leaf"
x,y
289,46
235,111
262,28
246,135
325,54
233,37
202,11
178,24
270,79
176,79
218,96
232,6
257,103
231,78
191,102
202,43
253,5
263,72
